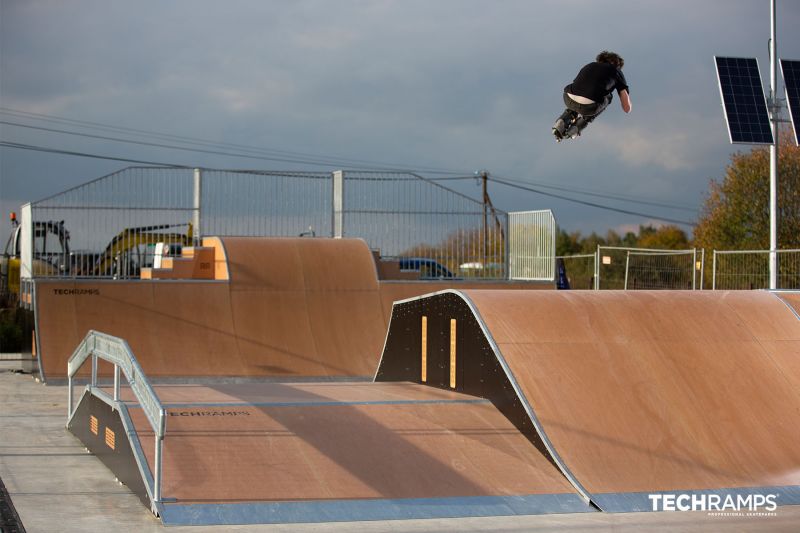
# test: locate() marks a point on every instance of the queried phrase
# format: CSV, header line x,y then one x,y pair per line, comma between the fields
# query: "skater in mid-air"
x,y
590,93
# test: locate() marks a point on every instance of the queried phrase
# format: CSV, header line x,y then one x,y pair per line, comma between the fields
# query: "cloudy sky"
x,y
454,85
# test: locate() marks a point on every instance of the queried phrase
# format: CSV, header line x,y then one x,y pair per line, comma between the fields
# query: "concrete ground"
x,y
56,486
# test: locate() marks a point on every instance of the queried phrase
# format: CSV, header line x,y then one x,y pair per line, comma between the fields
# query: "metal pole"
x,y
714,272
485,176
197,205
116,382
702,267
627,265
69,397
337,209
157,472
597,269
94,370
773,154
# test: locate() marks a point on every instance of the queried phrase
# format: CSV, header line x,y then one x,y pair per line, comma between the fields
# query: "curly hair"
x,y
610,57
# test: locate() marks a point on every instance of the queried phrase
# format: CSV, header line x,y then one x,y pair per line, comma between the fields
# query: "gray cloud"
x,y
455,84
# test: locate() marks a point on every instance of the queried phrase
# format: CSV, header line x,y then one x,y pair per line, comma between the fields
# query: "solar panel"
x,y
743,100
791,80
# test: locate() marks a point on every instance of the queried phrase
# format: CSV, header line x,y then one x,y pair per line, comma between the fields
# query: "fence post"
x,y
197,205
597,269
627,266
702,268
714,272
337,209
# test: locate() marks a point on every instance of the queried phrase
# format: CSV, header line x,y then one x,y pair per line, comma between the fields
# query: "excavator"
x,y
123,257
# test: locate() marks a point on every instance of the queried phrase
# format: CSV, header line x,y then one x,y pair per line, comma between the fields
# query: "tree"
x,y
735,215
663,238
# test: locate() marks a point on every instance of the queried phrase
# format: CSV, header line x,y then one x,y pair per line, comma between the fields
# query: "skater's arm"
x,y
625,101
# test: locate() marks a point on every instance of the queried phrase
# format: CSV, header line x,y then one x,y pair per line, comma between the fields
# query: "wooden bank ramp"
x,y
276,307
634,395
321,452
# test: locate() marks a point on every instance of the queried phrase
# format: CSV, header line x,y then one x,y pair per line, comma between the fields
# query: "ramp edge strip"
x,y
368,510
584,494
633,502
332,403
777,294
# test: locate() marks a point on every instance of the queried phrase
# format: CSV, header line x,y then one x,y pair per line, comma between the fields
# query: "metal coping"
x,y
332,403
371,509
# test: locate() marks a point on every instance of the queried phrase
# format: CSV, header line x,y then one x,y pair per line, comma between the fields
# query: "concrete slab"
x,y
55,486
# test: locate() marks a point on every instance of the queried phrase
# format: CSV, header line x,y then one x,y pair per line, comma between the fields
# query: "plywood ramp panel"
x,y
637,392
428,447
654,391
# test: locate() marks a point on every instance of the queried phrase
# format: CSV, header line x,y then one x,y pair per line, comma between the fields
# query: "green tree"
x,y
735,215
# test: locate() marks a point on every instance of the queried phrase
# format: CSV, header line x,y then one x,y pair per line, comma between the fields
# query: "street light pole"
x,y
773,153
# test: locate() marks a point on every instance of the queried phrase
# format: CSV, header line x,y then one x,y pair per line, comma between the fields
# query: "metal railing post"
x,y
157,469
69,397
94,369
116,383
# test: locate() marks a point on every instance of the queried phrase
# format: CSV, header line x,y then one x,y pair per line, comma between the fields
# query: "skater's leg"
x,y
563,122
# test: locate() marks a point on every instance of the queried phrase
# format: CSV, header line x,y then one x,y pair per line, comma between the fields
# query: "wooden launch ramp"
x,y
633,394
321,452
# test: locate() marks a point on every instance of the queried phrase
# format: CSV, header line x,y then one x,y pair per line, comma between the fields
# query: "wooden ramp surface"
x,y
292,307
334,442
641,392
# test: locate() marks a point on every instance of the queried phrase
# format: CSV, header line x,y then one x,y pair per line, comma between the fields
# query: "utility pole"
x,y
485,179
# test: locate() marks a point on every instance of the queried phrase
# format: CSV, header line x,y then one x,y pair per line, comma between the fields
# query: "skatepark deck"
x,y
633,393
260,453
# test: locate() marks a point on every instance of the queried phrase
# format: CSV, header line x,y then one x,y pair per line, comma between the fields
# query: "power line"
x,y
297,157
9,144
21,146
589,192
590,204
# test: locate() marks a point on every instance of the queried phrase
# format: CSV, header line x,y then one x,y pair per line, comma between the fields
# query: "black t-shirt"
x,y
597,80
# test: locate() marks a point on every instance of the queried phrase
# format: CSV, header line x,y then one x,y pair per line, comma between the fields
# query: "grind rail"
x,y
116,351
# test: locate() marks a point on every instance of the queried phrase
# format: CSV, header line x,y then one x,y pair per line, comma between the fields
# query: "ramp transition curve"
x,y
629,393
287,308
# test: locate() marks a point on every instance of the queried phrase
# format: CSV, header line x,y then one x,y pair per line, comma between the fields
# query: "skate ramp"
x,y
632,393
277,453
283,308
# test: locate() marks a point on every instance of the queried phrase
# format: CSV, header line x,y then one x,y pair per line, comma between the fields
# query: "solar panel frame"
x,y
743,100
791,83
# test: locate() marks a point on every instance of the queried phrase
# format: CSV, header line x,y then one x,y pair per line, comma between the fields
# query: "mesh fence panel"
x,y
749,269
660,271
109,227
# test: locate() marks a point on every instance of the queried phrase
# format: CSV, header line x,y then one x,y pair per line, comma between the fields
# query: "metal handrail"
x,y
117,352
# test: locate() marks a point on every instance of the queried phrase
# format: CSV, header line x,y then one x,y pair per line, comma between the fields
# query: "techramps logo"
x,y
753,504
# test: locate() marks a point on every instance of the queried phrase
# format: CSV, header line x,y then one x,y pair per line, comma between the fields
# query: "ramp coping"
x,y
97,345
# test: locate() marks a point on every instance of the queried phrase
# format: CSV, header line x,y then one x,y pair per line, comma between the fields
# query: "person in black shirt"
x,y
590,93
